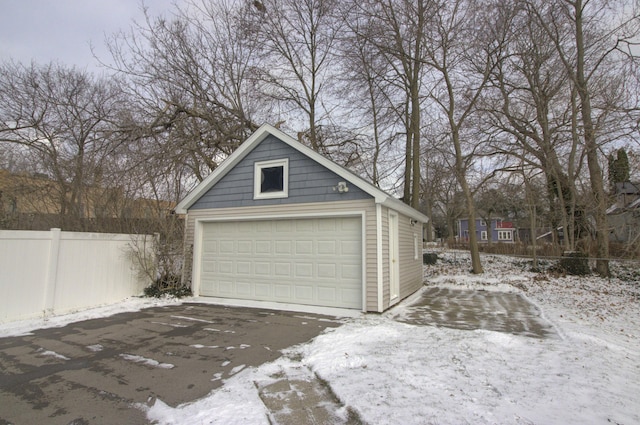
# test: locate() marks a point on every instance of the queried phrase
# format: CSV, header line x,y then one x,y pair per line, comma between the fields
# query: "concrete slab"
x,y
294,395
476,309
295,402
92,372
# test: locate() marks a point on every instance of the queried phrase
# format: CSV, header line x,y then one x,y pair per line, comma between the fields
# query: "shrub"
x,y
169,285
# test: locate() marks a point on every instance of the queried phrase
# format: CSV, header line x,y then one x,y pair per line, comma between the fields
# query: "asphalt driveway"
x,y
94,371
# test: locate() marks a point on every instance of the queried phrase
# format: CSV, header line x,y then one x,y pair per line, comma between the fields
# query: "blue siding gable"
x,y
308,181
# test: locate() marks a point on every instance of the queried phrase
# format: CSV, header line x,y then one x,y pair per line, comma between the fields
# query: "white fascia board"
x,y
262,133
405,209
380,196
226,166
362,184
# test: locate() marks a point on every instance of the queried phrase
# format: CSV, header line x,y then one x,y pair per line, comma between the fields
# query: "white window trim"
x,y
483,235
505,235
257,179
483,223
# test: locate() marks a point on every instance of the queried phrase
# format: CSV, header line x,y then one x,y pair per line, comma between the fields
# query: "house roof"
x,y
262,133
629,188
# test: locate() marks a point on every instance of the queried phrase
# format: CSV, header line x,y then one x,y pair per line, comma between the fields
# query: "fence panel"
x,y
57,272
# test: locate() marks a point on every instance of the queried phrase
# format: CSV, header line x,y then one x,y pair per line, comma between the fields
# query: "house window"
x,y
483,223
483,235
504,235
271,179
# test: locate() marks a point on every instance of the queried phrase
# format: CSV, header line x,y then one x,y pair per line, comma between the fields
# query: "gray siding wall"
x,y
308,181
411,271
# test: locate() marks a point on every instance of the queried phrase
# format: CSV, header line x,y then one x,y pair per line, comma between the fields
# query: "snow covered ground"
x,y
389,372
590,374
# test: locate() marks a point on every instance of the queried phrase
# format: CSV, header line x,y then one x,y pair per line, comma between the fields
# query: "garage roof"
x,y
262,133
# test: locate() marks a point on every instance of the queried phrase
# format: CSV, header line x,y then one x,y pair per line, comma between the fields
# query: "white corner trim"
x,y
196,260
380,268
363,260
394,269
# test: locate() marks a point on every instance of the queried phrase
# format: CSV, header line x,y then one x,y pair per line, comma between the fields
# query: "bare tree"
x,y
531,113
441,196
590,37
462,60
189,78
63,118
296,40
366,87
395,30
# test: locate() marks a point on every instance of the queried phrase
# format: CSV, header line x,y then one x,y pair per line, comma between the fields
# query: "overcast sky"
x,y
63,30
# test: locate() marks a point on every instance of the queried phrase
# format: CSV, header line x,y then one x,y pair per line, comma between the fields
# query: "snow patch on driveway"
x,y
146,361
49,353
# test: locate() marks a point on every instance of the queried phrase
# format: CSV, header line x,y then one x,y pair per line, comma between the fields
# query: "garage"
x,y
311,261
278,223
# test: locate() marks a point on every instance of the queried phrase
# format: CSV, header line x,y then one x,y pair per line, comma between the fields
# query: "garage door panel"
x,y
262,247
243,289
326,247
306,261
226,247
225,287
304,226
225,267
327,226
349,296
349,271
304,292
208,266
282,292
304,270
282,269
304,247
262,269
211,247
327,294
244,227
283,226
283,247
262,226
263,290
350,248
326,270
243,267
245,247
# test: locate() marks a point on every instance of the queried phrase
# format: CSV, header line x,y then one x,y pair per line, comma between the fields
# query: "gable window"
x,y
271,179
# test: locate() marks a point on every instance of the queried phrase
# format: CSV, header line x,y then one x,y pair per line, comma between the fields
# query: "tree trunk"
x,y
595,172
476,265
408,164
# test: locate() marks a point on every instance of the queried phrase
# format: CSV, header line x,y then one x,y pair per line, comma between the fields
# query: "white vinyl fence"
x,y
55,272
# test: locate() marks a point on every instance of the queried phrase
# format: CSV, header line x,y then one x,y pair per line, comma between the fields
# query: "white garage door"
x,y
303,261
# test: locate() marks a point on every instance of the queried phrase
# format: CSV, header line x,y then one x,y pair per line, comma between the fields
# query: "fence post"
x,y
52,271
